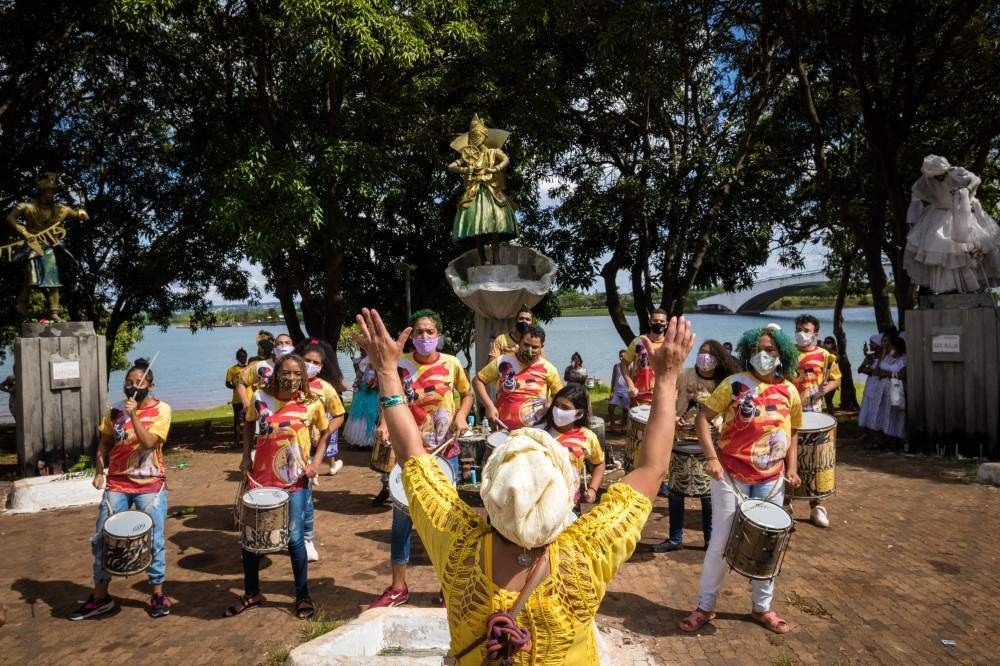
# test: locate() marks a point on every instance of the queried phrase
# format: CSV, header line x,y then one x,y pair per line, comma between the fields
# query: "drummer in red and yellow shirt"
x,y
639,377
132,436
279,420
761,413
526,383
817,376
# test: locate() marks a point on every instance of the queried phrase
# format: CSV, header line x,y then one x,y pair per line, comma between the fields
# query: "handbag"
x,y
897,393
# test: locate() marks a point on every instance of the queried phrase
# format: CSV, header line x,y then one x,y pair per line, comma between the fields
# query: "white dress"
x,y
870,399
953,244
889,419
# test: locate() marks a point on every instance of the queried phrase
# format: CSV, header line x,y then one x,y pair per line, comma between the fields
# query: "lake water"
x,y
191,368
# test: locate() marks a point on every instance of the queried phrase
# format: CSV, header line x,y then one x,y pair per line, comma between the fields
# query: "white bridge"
x,y
761,294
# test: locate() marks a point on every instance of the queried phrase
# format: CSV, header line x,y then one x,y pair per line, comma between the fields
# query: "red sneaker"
x,y
392,597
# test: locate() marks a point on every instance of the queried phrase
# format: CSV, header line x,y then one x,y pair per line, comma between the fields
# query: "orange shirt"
x,y
132,468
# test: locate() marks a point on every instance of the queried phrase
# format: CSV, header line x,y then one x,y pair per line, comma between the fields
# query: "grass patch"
x,y
318,625
277,655
783,661
195,415
807,605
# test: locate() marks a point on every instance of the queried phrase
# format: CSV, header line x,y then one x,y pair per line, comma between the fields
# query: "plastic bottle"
x,y
486,427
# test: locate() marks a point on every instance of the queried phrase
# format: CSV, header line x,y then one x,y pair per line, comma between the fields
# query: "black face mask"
x,y
521,326
657,328
137,394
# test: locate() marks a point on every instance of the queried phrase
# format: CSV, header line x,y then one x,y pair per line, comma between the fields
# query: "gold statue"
x,y
484,210
41,231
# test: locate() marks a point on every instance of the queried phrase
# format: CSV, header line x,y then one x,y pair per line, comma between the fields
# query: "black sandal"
x,y
304,608
246,605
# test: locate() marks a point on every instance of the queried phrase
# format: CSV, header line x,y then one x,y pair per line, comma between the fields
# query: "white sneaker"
x,y
818,516
311,554
335,467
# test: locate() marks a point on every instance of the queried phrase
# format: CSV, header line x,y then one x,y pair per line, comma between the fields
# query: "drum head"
x,y
639,413
766,514
265,498
817,421
496,439
688,449
396,481
128,524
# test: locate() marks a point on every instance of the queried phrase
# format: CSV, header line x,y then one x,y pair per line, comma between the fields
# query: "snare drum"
x,y
687,476
817,457
493,442
758,539
638,417
383,459
396,491
128,543
264,515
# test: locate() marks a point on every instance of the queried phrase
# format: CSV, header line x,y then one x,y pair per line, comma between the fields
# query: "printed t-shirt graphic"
x,y
815,368
430,393
283,438
758,422
328,396
256,374
583,446
642,371
523,391
133,468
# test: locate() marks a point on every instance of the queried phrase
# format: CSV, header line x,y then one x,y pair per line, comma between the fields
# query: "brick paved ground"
x,y
911,559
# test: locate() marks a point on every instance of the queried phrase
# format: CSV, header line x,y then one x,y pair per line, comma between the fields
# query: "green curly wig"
x,y
787,351
430,314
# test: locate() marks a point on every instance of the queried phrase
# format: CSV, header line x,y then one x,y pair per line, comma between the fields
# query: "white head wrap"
x,y
527,488
934,165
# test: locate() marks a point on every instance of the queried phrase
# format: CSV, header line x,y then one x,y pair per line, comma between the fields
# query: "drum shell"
x,y
687,476
597,425
753,550
383,459
127,555
264,529
242,488
817,464
472,455
636,428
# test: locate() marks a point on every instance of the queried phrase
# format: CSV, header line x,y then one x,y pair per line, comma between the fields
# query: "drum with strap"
x,y
264,516
758,539
638,417
687,476
396,491
128,543
817,457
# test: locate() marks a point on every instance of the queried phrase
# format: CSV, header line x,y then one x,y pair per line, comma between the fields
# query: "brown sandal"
x,y
771,621
245,605
695,621
304,608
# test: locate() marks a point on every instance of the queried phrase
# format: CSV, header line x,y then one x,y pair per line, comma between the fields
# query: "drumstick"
x,y
146,371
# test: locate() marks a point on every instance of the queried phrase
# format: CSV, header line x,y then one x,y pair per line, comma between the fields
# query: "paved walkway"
x,y
911,559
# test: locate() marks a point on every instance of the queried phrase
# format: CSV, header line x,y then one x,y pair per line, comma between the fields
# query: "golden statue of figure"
x,y
41,230
484,209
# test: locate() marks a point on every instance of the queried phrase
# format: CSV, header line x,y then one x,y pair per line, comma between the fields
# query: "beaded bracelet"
x,y
391,401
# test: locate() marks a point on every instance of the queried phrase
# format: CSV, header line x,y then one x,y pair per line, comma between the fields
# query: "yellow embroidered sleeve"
x,y
610,531
439,514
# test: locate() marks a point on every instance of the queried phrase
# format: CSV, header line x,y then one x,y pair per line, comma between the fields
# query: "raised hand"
x,y
382,349
678,340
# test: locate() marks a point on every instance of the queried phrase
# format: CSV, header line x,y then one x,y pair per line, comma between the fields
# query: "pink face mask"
x,y
425,346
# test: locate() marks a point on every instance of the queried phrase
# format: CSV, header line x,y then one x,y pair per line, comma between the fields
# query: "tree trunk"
x,y
872,244
848,395
614,301
336,310
286,297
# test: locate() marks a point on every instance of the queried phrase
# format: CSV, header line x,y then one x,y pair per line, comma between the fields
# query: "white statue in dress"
x,y
953,244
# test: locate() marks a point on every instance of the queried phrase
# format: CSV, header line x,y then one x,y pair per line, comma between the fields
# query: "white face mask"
x,y
803,339
764,363
282,351
706,362
312,369
564,417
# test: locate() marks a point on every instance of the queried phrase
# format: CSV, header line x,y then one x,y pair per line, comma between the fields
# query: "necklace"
x,y
524,558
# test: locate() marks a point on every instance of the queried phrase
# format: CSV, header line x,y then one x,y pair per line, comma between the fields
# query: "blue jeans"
x,y
675,504
309,522
296,550
154,504
402,528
